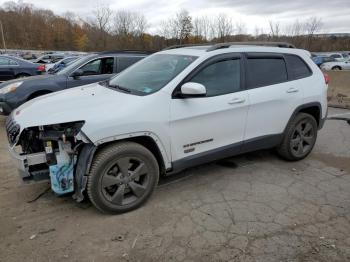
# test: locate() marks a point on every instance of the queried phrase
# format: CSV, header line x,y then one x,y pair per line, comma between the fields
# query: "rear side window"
x,y
297,67
125,62
12,62
336,56
265,71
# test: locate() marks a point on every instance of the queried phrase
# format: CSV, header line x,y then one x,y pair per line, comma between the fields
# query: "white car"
x,y
337,65
339,56
175,109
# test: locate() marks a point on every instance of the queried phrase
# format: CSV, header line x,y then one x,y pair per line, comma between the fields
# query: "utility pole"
x,y
2,35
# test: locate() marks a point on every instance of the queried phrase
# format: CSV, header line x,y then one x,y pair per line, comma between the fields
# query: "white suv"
x,y
175,109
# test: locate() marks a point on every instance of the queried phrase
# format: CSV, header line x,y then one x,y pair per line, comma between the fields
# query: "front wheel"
x,y
122,177
299,138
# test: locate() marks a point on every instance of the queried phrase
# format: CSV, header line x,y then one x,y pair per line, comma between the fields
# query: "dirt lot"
x,y
254,207
339,88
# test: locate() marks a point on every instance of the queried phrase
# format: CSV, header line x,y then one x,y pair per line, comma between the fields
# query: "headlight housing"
x,y
10,87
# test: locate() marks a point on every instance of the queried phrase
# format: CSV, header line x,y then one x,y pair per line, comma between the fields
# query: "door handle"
x,y
292,90
236,100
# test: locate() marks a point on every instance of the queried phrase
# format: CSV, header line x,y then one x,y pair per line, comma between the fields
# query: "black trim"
x,y
205,157
221,57
322,120
305,106
263,142
250,145
81,170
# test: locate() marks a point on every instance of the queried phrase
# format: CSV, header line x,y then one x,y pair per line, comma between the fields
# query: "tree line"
x,y
28,27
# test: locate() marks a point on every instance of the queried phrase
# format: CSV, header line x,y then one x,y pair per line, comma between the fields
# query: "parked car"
x,y
172,110
49,58
89,69
59,65
337,65
12,67
319,60
340,56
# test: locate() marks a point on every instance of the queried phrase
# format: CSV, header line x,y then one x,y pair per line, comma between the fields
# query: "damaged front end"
x,y
60,153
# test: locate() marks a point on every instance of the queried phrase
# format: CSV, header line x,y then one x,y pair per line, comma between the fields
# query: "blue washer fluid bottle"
x,y
61,174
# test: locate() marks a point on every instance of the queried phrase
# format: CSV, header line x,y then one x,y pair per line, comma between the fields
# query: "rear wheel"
x,y
22,75
122,177
299,138
336,68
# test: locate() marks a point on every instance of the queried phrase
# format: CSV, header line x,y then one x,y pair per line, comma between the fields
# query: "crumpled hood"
x,y
75,104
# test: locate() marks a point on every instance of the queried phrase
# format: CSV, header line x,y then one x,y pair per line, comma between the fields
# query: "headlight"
x,y
10,88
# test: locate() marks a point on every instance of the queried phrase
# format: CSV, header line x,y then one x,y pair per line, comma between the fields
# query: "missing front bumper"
x,y
29,166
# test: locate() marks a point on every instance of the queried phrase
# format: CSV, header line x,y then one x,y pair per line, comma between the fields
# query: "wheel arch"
x,y
147,139
38,93
89,150
313,108
22,73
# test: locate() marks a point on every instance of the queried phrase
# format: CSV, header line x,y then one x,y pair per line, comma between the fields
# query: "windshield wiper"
x,y
124,89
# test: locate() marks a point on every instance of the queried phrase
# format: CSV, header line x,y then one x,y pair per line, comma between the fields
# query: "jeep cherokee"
x,y
177,108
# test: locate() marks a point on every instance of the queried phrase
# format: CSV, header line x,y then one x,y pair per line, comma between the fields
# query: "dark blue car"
x,y
85,70
13,67
319,60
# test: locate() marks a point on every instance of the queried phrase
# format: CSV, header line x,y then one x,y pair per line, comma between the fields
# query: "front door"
x,y
210,127
6,69
94,71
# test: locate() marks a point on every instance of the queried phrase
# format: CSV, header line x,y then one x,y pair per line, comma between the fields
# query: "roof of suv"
x,y
125,52
209,50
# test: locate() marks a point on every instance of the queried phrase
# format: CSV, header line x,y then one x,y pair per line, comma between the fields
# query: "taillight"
x,y
326,78
41,68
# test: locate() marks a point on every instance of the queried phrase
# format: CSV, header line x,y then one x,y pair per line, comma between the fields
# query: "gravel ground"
x,y
254,207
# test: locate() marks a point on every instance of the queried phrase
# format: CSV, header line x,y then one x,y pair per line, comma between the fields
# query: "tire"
x,y
299,138
118,182
22,75
336,68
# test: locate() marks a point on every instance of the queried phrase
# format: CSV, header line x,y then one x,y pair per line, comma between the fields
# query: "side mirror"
x,y
77,74
192,89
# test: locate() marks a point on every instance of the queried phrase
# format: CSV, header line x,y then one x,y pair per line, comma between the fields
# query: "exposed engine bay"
x,y
51,152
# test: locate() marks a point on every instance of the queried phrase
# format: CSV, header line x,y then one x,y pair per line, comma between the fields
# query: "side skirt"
x,y
264,142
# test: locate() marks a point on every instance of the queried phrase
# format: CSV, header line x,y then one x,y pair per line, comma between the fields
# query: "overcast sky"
x,y
335,14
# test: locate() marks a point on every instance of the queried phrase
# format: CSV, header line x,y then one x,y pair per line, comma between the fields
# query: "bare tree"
x,y
240,28
223,27
129,23
183,24
274,29
312,25
201,28
102,16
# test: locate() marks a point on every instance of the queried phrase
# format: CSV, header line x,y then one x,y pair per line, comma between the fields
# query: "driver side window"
x,y
99,67
220,78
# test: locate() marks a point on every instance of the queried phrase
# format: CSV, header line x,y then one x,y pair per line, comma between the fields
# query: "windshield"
x,y
73,65
152,73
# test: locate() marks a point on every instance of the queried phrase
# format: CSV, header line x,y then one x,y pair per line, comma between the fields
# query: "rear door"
x,y
273,96
7,69
95,70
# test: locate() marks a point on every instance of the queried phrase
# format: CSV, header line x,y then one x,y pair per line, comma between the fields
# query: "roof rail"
x,y
272,44
186,45
127,52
